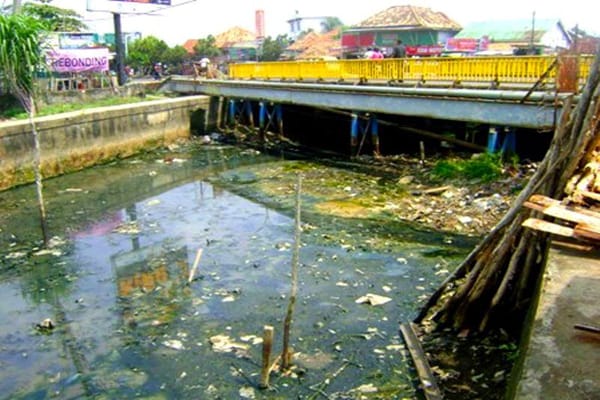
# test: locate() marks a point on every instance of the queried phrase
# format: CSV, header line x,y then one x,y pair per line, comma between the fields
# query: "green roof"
x,y
507,30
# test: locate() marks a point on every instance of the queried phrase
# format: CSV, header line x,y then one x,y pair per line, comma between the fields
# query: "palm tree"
x,y
21,56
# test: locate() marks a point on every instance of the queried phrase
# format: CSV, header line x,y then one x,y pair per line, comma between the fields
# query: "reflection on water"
x,y
128,323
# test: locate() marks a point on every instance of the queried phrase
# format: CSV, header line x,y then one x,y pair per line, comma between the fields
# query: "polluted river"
x,y
162,271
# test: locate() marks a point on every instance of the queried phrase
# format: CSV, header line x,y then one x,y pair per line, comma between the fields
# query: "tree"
x,y
495,285
56,19
21,56
331,23
207,47
145,52
175,57
272,49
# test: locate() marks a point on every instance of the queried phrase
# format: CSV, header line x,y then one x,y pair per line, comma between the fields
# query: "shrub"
x,y
484,167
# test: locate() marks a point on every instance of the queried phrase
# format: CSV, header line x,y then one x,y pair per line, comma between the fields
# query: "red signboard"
x,y
362,39
467,44
424,51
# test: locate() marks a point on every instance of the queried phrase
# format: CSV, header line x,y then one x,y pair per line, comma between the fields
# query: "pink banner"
x,y
78,60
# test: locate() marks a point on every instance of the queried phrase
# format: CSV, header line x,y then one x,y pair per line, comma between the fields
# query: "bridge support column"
x,y
231,115
363,125
266,118
213,116
375,134
249,113
492,139
236,111
509,145
262,116
354,127
507,136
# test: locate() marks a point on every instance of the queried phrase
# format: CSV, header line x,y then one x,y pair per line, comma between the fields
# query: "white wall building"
x,y
300,24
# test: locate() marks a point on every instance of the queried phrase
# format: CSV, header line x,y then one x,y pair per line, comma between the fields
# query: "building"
x,y
422,30
519,36
238,44
299,25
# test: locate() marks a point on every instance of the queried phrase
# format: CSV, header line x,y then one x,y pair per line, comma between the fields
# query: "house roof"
x,y
232,36
314,45
305,41
516,31
189,45
409,16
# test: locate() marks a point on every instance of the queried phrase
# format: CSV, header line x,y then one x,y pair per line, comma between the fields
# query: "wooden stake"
x,y
196,262
428,383
286,354
265,372
422,148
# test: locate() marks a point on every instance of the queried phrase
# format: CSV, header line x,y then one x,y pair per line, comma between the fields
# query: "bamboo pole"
x,y
265,372
428,382
286,355
502,271
195,265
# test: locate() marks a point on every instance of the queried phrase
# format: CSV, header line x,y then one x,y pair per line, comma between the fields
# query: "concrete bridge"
x,y
514,108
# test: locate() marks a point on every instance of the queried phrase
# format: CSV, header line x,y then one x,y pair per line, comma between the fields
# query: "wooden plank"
x,y
543,200
568,215
546,226
554,208
428,383
590,195
580,231
538,201
534,206
587,232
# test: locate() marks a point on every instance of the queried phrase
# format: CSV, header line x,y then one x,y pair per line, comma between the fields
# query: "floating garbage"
x,y
373,299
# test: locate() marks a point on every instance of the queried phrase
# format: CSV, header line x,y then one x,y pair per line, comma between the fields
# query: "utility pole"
x,y
120,56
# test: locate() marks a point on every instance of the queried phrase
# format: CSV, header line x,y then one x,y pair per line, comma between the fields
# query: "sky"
x,y
193,19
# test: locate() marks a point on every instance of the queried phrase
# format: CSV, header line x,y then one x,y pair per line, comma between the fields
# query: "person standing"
x,y
399,50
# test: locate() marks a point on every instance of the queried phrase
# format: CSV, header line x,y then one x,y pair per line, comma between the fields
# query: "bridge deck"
x,y
517,108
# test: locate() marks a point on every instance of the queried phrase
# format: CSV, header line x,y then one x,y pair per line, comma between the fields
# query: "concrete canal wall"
x,y
75,140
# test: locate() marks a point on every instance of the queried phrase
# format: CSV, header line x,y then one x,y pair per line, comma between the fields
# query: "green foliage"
x,y
331,23
52,109
484,167
56,19
273,48
20,54
143,53
175,57
207,48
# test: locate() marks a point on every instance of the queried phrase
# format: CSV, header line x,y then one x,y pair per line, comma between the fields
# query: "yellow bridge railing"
x,y
498,70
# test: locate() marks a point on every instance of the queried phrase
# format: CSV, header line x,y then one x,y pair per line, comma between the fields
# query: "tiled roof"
x,y
233,36
409,16
190,44
314,45
305,41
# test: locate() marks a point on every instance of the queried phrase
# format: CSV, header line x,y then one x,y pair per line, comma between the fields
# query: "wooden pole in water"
x,y
286,355
195,265
265,372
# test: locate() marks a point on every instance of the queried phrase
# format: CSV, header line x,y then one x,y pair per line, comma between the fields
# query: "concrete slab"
x,y
561,362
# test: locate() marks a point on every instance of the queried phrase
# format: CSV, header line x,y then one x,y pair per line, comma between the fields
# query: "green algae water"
x,y
128,323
